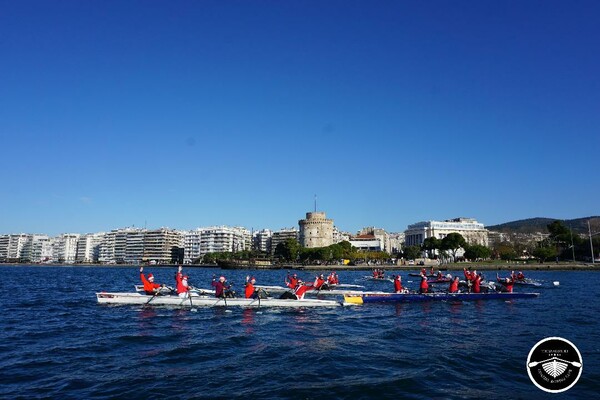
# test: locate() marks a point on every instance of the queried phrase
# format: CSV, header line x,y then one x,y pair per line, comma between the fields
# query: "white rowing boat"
x,y
206,301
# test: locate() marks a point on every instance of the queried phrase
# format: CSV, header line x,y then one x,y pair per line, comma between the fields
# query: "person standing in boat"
x,y
250,292
424,287
181,281
220,287
453,285
150,287
398,284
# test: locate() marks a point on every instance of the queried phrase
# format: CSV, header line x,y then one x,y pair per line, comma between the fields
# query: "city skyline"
x,y
185,114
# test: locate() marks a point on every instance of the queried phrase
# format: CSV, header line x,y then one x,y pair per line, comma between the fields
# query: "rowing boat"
x,y
206,301
417,297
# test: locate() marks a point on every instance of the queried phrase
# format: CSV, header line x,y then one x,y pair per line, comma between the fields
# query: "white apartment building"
x,y
38,248
64,248
396,242
339,236
191,244
217,239
23,247
261,240
88,247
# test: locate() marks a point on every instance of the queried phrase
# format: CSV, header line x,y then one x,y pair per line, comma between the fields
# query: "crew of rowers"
x,y
299,288
379,273
223,289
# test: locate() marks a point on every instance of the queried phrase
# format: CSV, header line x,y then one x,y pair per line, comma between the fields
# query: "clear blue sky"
x,y
196,113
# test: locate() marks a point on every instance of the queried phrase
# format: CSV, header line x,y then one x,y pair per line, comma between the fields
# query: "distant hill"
x,y
532,225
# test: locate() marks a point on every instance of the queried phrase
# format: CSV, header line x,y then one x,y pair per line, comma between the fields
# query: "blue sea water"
x,y
57,342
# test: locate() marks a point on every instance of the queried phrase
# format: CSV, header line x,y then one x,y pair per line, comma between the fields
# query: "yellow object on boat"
x,y
353,299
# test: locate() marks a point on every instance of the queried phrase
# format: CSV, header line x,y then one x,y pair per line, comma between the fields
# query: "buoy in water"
x,y
556,283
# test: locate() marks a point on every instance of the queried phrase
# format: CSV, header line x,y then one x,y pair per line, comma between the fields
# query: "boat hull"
x,y
206,301
417,297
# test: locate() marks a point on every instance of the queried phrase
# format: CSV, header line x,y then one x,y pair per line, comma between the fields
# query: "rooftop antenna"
x,y
315,203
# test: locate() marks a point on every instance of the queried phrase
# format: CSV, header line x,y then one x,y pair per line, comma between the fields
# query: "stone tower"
x,y
316,230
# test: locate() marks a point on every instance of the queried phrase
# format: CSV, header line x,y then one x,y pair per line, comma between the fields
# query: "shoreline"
x,y
338,267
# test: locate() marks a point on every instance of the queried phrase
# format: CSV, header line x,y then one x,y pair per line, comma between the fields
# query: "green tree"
x,y
431,244
477,252
542,253
505,251
412,252
288,250
452,242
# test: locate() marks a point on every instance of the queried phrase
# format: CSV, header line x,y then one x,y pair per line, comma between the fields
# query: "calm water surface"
x,y
57,342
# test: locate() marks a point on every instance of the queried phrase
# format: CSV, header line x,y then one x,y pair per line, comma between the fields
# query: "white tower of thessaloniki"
x,y
316,230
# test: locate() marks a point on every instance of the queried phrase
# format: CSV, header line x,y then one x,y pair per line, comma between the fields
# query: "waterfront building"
x,y
281,236
473,231
191,245
396,240
4,239
162,246
64,248
122,246
88,247
366,242
224,239
339,236
316,230
261,240
37,248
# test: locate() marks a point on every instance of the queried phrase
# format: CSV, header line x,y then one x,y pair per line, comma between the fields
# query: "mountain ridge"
x,y
539,224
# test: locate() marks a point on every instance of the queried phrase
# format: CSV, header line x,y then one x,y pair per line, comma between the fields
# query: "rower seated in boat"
x,y
221,288
454,285
320,283
183,288
424,286
507,284
291,281
150,288
398,285
251,292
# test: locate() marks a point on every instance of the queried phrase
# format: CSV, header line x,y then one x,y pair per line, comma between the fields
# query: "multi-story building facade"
x,y
37,248
162,245
191,245
64,248
396,242
261,240
316,230
224,239
88,247
473,231
281,236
